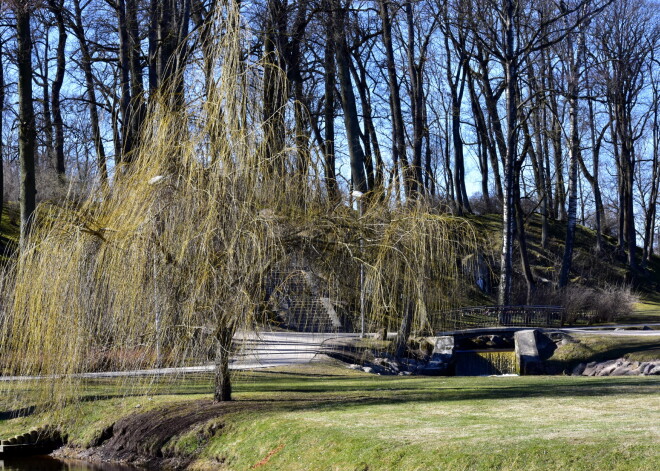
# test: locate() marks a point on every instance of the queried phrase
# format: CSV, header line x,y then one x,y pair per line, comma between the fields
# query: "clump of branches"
x,y
600,304
169,261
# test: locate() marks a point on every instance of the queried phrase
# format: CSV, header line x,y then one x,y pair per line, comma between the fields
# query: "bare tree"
x,y
574,58
625,43
27,125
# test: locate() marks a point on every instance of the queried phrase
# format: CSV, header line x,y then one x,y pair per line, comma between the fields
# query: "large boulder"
x,y
618,367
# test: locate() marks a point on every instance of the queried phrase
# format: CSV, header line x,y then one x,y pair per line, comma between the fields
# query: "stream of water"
x,y
486,362
46,463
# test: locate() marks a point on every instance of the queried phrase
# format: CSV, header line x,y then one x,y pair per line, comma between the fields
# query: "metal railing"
x,y
508,316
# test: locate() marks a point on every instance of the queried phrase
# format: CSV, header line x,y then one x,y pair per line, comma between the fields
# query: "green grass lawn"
x,y
645,311
596,347
328,417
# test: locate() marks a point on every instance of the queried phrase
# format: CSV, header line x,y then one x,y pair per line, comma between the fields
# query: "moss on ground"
x,y
585,348
645,355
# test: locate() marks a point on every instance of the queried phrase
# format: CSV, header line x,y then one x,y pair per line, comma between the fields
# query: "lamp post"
x,y
358,195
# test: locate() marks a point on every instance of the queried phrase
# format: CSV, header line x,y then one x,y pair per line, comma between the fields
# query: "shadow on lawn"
x,y
327,391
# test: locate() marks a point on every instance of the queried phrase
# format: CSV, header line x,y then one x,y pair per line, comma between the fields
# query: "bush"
x,y
479,206
606,304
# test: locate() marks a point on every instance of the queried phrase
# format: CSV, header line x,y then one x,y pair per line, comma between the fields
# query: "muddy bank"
x,y
147,439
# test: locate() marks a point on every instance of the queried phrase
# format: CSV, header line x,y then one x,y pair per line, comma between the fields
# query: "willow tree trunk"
x,y
27,127
404,330
222,390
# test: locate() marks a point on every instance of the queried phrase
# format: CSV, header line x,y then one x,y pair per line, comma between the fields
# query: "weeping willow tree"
x,y
168,262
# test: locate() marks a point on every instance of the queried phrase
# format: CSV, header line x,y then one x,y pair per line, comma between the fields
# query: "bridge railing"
x,y
508,316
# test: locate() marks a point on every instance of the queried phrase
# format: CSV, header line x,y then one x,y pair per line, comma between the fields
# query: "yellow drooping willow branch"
x,y
176,252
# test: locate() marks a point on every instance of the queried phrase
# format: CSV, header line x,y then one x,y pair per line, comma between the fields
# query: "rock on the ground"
x,y
578,370
619,367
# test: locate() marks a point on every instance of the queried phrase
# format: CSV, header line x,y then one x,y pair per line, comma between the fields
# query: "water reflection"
x,y
46,463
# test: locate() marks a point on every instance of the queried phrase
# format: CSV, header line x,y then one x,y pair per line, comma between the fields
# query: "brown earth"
x,y
142,439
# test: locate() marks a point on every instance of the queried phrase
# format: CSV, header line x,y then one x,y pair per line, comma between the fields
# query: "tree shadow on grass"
x,y
279,394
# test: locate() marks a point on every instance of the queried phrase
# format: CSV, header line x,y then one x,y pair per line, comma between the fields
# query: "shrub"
x,y
605,304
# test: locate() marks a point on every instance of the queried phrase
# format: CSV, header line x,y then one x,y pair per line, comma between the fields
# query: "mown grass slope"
x,y
326,417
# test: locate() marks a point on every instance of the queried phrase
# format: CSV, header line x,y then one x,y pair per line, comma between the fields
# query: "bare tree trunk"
x,y
138,110
593,179
153,46
490,98
165,39
180,53
399,142
574,65
2,113
508,216
86,65
522,238
47,116
351,119
456,82
329,69
416,103
374,175
125,84
274,89
650,216
560,191
27,127
487,146
628,158
57,7
537,151
429,175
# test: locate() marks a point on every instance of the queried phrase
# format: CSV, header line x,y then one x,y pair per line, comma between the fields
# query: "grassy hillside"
x,y
9,229
605,270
